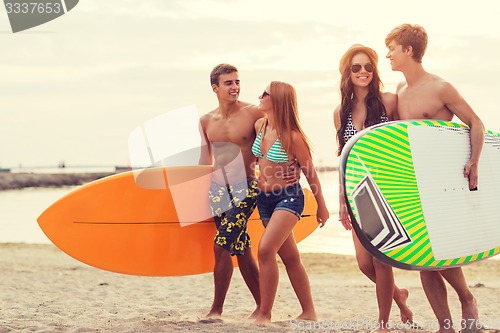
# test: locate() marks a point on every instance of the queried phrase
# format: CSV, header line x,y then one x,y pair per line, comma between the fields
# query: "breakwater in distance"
x,y
59,177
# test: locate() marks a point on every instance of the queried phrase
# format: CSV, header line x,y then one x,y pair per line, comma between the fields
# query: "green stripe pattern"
x,y
385,152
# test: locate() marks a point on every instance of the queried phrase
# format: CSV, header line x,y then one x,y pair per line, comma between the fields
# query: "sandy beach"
x,y
45,290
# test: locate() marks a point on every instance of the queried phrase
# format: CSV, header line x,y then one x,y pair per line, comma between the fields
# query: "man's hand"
x,y
471,172
291,172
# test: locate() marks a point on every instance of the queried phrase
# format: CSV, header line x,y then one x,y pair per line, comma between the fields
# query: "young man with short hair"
x,y
427,96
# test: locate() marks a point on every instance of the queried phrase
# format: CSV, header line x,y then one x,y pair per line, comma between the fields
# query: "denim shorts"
x,y
290,198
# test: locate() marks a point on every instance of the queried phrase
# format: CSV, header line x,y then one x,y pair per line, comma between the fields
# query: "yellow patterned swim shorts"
x,y
231,207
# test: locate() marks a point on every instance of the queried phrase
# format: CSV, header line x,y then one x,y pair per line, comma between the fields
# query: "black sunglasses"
x,y
264,94
356,68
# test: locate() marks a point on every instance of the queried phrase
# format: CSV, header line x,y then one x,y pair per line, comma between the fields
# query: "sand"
x,y
44,290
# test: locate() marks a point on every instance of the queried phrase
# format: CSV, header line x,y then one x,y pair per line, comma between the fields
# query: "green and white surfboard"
x,y
410,204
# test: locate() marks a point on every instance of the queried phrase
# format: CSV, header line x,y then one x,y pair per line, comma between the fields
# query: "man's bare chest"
x,y
420,104
240,131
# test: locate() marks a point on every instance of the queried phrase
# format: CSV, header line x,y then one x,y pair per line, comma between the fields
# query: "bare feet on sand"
x,y
470,319
308,316
469,309
470,316
405,312
262,320
214,314
254,314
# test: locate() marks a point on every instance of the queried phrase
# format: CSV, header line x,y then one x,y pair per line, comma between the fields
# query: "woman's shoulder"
x,y
259,123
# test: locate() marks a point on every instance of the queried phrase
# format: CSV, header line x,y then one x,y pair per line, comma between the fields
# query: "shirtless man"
x,y
229,132
427,96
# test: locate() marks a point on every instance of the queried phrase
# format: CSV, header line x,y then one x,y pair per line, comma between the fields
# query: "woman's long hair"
x,y
375,108
286,114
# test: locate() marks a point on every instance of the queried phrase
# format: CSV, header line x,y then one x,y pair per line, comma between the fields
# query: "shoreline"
x,y
44,290
17,181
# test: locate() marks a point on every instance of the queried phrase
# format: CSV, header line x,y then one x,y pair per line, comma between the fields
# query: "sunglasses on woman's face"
x,y
264,94
356,68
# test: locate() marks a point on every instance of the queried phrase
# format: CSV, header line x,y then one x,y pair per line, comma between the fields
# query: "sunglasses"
x,y
356,68
264,94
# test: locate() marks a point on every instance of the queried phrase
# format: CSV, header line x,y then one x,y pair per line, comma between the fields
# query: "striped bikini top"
x,y
350,129
276,153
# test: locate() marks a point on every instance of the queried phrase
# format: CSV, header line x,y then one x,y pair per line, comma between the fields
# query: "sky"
x,y
74,88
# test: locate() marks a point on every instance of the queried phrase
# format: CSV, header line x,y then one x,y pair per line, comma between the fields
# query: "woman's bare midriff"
x,y
271,176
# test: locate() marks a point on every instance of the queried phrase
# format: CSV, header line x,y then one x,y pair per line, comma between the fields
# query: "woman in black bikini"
x,y
364,104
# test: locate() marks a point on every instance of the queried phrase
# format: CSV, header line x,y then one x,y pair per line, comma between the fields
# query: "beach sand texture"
x,y
44,290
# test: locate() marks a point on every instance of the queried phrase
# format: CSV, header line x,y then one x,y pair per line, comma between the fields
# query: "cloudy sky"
x,y
74,89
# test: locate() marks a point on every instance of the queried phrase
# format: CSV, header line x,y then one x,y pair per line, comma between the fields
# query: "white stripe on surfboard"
x,y
459,222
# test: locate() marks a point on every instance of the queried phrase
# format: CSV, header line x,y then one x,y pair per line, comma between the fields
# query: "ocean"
x,y
19,210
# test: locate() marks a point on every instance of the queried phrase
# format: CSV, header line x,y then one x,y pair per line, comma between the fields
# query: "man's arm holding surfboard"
x,y
459,107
